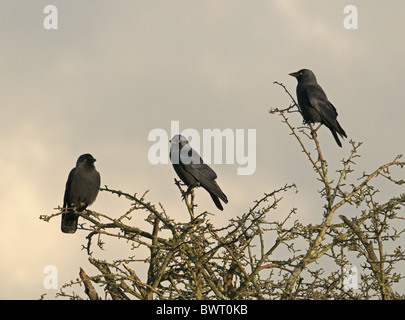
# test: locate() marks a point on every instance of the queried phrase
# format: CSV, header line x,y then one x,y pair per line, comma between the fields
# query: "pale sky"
x,y
115,70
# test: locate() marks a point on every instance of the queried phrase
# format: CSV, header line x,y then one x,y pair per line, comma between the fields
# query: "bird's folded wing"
x,y
318,101
201,171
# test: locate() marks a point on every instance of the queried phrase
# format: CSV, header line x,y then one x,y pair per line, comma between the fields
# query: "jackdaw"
x,y
192,170
314,105
82,187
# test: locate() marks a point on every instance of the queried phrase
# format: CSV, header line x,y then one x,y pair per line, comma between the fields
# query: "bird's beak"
x,y
294,74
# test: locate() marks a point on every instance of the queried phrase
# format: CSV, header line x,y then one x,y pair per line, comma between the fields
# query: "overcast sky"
x,y
114,71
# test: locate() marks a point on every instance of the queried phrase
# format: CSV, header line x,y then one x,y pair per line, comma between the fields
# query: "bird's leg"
x,y
179,185
315,130
84,210
192,195
189,190
184,194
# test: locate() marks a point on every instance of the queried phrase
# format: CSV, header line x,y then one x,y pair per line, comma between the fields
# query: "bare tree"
x,y
240,260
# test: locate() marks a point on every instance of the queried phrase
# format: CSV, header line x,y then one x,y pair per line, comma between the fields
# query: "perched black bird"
x,y
192,170
82,187
314,105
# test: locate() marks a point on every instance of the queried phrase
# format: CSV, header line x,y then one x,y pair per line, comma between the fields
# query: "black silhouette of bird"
x,y
314,105
82,187
192,170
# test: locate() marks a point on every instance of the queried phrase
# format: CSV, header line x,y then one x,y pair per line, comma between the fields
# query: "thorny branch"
x,y
265,252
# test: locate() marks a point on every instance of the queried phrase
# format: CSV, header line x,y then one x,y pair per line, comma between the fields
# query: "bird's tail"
x,y
341,131
336,137
69,222
338,129
218,194
216,201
